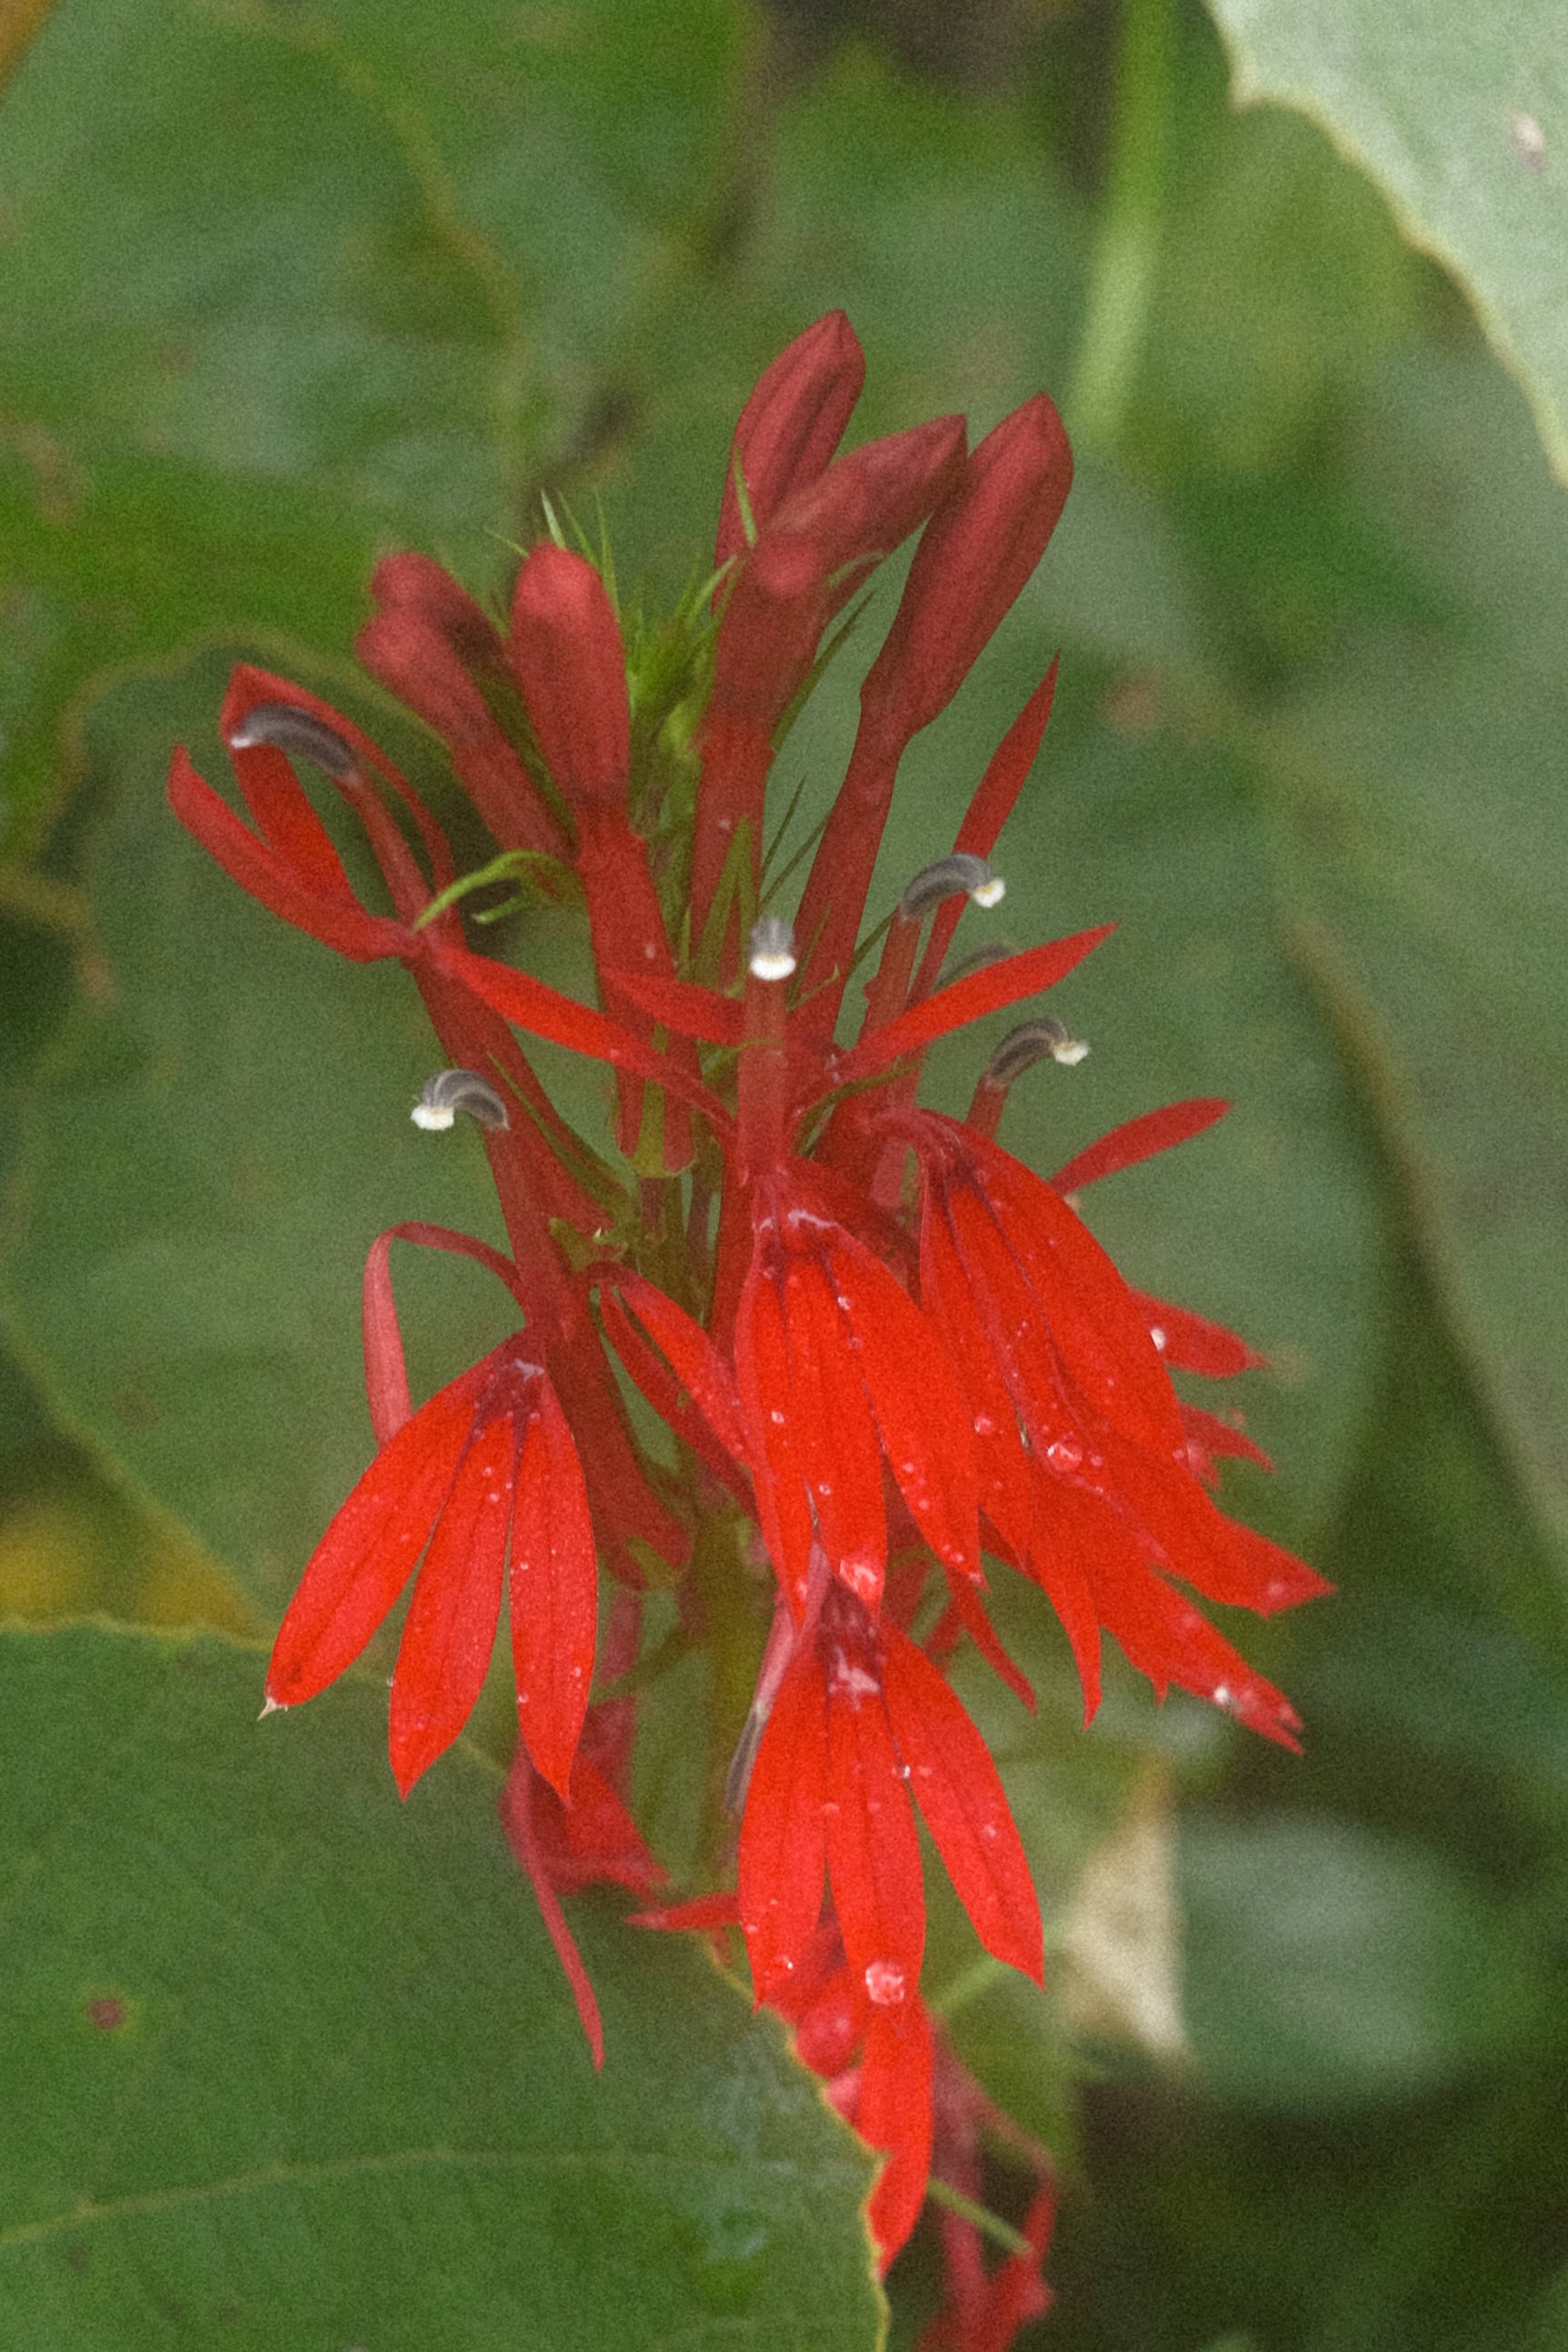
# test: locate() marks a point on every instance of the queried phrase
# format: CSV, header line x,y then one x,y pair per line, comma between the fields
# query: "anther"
x,y
1046,1039
771,954
450,1091
946,879
285,729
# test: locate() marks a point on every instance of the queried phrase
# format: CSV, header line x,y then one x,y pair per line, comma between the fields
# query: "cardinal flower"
x,y
479,1490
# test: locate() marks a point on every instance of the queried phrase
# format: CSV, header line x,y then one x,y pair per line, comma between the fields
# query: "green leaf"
x,y
285,2064
1463,124
285,287
1331,1966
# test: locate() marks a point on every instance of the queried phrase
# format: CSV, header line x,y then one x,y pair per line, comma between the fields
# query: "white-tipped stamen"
x,y
1047,1039
771,955
450,1091
947,878
297,732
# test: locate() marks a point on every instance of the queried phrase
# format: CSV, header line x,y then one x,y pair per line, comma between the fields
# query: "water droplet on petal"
x,y
884,1983
1065,1454
777,1417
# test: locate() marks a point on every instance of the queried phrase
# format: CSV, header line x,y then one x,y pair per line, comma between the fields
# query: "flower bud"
x,y
791,426
974,556
567,656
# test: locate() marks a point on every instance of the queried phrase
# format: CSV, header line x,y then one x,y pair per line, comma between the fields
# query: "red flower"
x,y
861,1718
486,1469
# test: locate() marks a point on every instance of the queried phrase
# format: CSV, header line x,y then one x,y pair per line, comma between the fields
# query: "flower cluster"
x,y
882,1346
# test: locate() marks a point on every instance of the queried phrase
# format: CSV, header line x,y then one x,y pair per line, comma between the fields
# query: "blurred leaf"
x,y
1329,1964
1464,126
287,2064
283,286
211,1148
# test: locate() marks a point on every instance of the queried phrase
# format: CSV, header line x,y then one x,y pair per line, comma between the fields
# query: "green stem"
x,y
990,2225
1127,240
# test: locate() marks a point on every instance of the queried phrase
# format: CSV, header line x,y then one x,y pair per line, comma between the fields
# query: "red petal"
x,y
1001,1464
923,1418
1193,1343
1221,1559
690,1010
702,1369
546,1012
968,1612
1211,1435
1095,1327
1138,1138
704,1911
764,1377
385,1370
783,1851
593,1842
368,1552
893,2111
873,1849
958,1789
261,874
987,814
517,1804
837,1435
555,1591
1060,1560
449,1635
970,999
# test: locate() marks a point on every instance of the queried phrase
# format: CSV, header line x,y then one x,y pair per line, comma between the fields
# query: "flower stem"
x,y
990,2225
1127,238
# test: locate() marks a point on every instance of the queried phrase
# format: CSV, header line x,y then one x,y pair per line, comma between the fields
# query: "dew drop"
x,y
777,1417
884,1983
984,1426
1156,1333
1222,1694
1065,1454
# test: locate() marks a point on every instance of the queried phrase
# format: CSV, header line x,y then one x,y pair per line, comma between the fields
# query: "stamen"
x,y
297,732
450,1091
994,951
1033,1041
946,879
772,951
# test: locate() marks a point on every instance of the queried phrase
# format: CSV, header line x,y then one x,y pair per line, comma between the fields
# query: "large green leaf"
x,y
284,286
1463,123
284,2066
1329,1964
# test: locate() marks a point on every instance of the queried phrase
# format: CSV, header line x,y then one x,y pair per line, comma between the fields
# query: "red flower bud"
x,y
972,562
567,657
792,424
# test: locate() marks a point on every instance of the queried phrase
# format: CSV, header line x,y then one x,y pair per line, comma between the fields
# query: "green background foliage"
x,y
287,286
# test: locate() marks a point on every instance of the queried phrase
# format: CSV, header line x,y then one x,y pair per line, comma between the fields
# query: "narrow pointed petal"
x,y
778,1466
1060,1559
1138,1138
517,1812
690,1010
546,1012
1001,1469
921,1413
263,876
449,1635
1219,1557
368,1552
703,1913
1210,1435
782,1850
386,1369
1095,1327
894,2112
970,999
593,1842
702,1369
839,1447
1166,1638
873,1849
1192,1343
555,1591
968,1610
959,1791
987,814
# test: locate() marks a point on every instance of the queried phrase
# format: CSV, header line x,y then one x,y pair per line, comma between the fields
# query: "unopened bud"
x,y
946,879
771,955
450,1091
1046,1039
284,727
